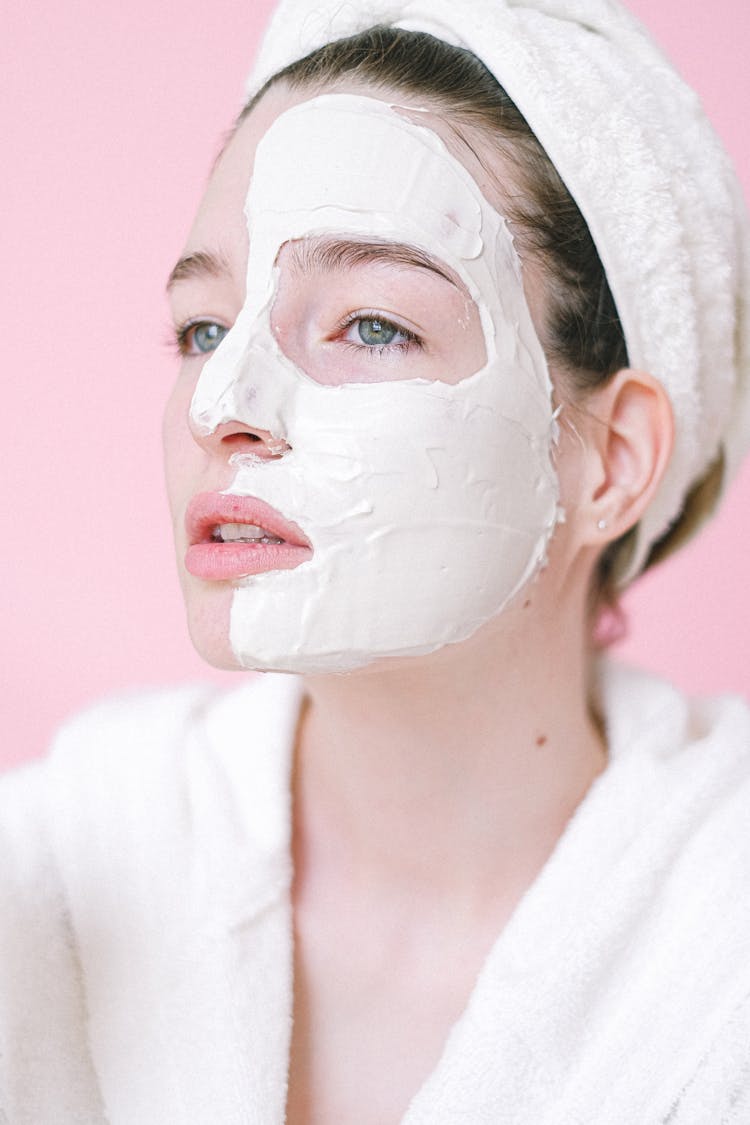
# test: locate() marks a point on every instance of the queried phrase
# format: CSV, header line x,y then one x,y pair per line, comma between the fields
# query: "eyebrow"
x,y
197,266
324,254
328,254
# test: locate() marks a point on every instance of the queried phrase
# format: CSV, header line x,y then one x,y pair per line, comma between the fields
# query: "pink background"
x,y
113,114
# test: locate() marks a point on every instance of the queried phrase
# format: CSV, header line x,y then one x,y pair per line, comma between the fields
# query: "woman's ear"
x,y
629,433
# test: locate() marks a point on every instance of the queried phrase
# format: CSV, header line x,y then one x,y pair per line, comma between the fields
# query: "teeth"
x,y
243,533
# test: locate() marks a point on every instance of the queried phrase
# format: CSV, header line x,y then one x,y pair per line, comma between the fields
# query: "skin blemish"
x,y
541,740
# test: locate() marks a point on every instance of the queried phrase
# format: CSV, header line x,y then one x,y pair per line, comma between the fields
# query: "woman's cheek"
x,y
179,446
208,605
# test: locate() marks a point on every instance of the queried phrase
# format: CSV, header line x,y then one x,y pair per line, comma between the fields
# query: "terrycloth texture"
x,y
651,178
145,937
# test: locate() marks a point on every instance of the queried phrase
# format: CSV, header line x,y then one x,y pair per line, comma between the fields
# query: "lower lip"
x,y
217,562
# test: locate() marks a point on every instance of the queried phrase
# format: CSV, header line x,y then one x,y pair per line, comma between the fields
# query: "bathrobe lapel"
x,y
183,917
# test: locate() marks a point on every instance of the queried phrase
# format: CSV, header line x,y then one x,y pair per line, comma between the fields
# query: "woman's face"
x,y
363,468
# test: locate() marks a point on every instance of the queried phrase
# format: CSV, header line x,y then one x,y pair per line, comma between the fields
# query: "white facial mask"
x,y
428,505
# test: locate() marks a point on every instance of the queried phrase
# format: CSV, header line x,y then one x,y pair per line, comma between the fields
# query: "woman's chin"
x,y
208,606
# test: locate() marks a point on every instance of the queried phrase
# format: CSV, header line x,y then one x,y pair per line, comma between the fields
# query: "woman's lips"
x,y
273,542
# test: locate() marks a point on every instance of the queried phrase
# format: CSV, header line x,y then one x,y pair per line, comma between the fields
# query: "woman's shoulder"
x,y
649,717
139,764
680,765
677,795
148,730
146,820
96,749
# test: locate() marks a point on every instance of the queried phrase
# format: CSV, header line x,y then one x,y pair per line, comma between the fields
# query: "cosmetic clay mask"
x,y
428,505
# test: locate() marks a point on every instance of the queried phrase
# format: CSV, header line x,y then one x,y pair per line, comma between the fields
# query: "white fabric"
x,y
145,939
636,152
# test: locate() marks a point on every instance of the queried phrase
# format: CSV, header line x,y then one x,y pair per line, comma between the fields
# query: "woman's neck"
x,y
451,775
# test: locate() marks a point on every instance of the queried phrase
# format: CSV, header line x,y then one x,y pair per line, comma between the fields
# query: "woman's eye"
x,y
376,332
200,338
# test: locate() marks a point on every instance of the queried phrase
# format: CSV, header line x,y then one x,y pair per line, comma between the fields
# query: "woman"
x,y
433,437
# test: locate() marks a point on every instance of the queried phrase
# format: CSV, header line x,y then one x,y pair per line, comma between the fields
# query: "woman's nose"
x,y
236,437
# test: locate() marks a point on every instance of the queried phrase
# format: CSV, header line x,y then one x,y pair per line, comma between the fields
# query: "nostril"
x,y
265,445
241,438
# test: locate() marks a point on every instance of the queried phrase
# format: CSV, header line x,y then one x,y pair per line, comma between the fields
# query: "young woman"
x,y
432,414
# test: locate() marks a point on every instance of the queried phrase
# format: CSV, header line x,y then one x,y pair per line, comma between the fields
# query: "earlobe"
x,y
631,442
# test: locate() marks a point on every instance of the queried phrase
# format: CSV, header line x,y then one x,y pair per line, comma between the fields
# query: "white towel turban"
x,y
638,155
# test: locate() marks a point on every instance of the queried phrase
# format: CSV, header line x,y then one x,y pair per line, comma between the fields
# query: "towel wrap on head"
x,y
635,150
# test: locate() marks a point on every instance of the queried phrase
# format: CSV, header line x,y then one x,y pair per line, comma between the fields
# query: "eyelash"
x,y
181,335
411,339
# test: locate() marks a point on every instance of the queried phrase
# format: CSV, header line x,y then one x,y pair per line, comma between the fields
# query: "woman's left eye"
x,y
200,337
378,333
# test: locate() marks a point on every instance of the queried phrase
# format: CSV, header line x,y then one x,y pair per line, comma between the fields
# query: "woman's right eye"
x,y
199,337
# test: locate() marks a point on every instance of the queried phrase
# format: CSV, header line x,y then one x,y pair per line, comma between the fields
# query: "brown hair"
x,y
583,334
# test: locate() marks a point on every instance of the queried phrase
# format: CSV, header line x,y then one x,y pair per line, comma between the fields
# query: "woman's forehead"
x,y
219,218
351,163
220,215
480,243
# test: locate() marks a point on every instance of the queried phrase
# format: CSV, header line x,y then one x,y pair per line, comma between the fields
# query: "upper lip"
x,y
208,510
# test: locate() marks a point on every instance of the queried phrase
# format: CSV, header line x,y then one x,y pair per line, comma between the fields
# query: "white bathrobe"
x,y
145,927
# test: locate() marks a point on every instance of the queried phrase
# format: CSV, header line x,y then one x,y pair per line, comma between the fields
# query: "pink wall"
x,y
113,114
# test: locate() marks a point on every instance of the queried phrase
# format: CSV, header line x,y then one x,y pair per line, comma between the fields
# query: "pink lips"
x,y
209,558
